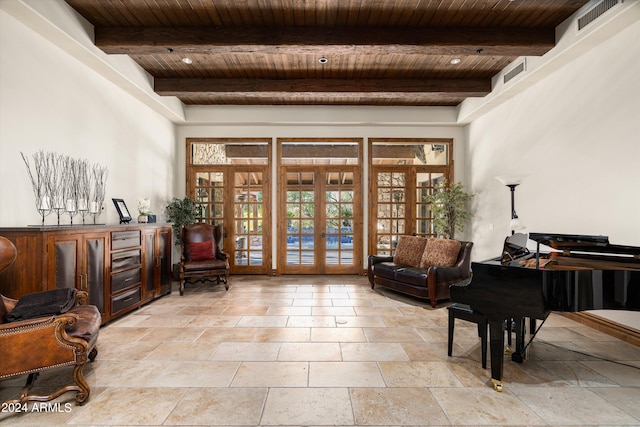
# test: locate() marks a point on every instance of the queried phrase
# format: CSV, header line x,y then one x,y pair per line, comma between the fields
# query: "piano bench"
x,y
464,312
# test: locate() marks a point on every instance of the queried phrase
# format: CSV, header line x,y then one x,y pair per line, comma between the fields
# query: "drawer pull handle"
x,y
128,279
127,299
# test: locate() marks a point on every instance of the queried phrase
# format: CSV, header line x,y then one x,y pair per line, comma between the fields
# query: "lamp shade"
x,y
516,224
511,179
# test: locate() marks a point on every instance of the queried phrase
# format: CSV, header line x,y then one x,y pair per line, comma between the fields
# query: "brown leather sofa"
x,y
32,345
429,282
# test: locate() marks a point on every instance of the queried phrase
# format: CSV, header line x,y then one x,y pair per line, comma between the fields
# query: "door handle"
x,y
323,235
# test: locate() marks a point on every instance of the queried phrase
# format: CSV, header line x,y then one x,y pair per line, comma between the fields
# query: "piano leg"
x,y
519,354
496,347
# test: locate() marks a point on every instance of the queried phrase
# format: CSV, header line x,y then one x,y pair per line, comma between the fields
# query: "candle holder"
x,y
94,210
71,209
58,208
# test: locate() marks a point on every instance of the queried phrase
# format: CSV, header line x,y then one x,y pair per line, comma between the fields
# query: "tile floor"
x,y
327,350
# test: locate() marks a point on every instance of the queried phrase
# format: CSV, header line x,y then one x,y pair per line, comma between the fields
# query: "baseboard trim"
x,y
609,327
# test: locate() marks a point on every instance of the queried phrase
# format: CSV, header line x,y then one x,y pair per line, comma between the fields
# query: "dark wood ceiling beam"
x,y
325,41
336,87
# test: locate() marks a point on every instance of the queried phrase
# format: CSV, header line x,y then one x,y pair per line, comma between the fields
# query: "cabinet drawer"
x,y
126,259
125,300
125,239
125,279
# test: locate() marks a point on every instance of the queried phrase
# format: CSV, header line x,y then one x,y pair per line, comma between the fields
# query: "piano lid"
x,y
582,243
514,248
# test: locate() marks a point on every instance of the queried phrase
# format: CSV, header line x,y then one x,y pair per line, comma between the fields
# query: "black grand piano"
x,y
579,273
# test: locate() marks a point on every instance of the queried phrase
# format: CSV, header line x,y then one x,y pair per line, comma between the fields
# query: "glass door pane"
x,y
339,218
391,209
248,218
209,191
425,182
300,218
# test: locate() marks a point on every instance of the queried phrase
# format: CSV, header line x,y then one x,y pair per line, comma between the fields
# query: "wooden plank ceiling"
x,y
378,52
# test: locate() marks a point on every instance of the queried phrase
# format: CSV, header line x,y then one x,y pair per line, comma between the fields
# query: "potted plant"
x,y
448,204
181,212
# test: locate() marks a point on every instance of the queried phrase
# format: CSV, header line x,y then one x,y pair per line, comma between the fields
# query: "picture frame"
x,y
123,211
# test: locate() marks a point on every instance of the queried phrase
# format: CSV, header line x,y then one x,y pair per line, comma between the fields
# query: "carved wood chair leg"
x,y
31,380
83,392
181,286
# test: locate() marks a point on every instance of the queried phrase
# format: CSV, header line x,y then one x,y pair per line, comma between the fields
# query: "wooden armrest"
x,y
82,298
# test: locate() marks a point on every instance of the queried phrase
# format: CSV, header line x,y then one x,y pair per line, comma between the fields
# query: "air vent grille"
x,y
596,12
514,72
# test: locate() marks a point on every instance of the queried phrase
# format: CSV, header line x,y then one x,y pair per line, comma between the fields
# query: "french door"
x,y
320,227
238,198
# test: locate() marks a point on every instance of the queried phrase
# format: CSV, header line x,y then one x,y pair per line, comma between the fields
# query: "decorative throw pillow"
x,y
409,250
202,251
440,252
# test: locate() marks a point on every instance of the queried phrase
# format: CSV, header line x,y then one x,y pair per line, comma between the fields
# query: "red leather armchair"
x,y
202,256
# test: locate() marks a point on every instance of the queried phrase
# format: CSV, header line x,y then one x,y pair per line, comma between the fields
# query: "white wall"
x,y
576,134
49,101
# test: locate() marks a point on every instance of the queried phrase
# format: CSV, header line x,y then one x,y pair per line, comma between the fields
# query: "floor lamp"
x,y
512,181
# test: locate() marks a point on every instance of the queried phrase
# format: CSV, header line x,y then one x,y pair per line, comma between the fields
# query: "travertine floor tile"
x,y
570,406
272,374
219,406
418,374
310,351
227,334
396,407
308,406
337,335
311,322
173,350
196,374
483,406
262,321
400,334
372,352
345,374
625,398
114,406
283,334
247,351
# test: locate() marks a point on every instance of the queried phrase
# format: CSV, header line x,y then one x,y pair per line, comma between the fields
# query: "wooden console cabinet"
x,y
120,266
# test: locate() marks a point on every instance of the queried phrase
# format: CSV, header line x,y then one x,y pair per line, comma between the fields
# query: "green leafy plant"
x,y
448,203
181,212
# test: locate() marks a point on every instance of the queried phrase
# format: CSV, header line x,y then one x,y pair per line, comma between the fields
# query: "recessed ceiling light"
x,y
323,60
455,61
187,60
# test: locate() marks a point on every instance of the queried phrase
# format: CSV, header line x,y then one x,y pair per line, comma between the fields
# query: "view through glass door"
x,y
320,210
